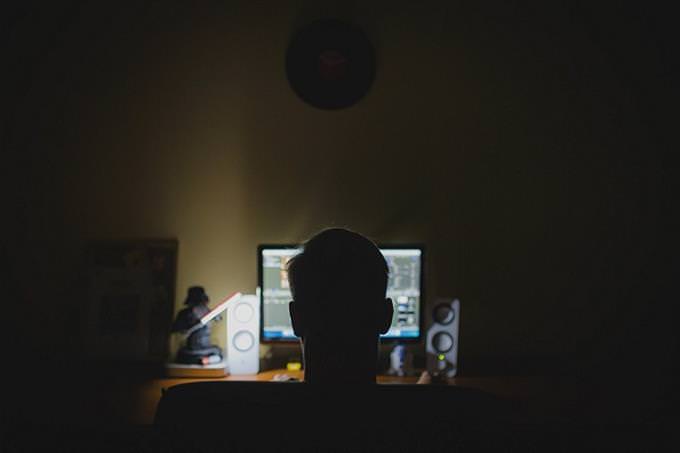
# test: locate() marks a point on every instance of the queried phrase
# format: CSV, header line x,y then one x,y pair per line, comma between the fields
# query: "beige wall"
x,y
492,136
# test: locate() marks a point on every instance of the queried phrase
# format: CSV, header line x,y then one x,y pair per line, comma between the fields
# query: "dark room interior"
x,y
525,145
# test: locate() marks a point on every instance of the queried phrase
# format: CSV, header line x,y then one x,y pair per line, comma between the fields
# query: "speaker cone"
x,y
443,314
243,340
243,312
442,342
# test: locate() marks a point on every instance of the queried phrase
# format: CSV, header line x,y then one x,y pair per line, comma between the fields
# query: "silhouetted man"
x,y
339,307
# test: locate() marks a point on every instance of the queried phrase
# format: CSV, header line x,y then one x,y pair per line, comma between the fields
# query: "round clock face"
x,y
330,64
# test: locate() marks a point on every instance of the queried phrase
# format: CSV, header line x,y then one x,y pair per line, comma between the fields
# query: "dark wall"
x,y
526,146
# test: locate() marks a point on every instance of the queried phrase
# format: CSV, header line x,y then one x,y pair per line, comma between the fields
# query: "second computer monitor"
x,y
404,287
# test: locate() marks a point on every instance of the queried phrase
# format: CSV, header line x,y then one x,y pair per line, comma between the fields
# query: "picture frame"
x,y
130,307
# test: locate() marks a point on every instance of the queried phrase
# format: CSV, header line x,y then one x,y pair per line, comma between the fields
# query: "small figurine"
x,y
197,350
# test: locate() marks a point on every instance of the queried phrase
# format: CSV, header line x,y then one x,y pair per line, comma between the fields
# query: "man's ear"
x,y
295,318
385,315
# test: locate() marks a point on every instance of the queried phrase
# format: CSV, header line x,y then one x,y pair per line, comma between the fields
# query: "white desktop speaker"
x,y
442,338
243,335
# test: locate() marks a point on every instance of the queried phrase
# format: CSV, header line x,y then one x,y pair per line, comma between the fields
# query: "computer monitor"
x,y
404,287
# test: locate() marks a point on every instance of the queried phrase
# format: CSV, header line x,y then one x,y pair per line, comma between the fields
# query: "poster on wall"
x,y
131,299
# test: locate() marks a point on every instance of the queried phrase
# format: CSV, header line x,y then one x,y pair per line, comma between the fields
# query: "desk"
x,y
514,387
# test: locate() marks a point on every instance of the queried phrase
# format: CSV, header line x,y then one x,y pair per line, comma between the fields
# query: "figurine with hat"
x,y
197,349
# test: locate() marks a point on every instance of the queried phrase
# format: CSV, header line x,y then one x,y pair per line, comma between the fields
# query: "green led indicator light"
x,y
440,356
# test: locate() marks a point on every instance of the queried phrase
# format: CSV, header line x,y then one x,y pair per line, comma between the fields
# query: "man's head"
x,y
338,284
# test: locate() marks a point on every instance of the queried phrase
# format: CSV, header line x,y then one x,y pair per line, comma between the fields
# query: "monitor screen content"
x,y
404,287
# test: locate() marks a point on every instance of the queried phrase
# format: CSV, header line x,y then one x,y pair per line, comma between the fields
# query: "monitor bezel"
x,y
383,340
